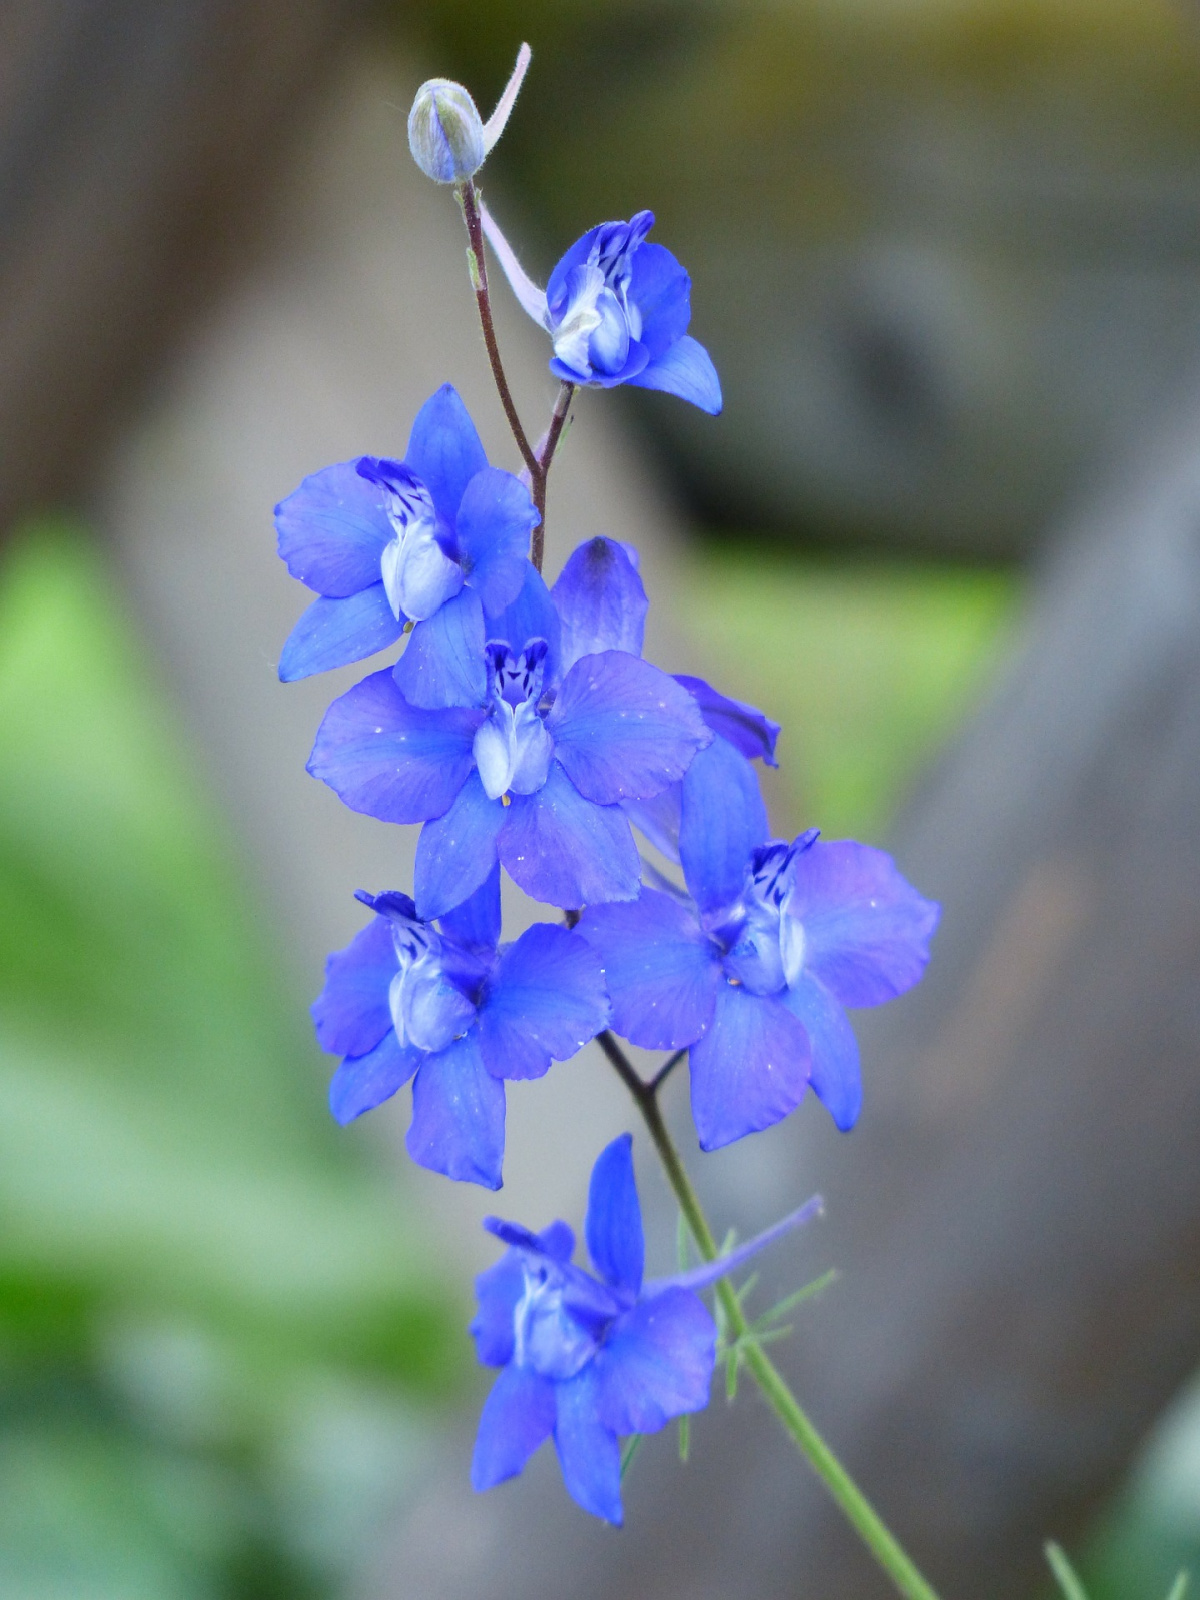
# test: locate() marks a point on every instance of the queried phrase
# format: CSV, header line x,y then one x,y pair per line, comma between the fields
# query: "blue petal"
x,y
456,852
634,363
363,1082
445,451
749,1070
657,1362
444,663
545,1001
588,1452
658,819
532,615
613,1227
574,257
495,520
600,601
499,1291
661,969
745,727
565,850
660,288
866,929
476,922
333,633
558,1241
458,1116
351,1012
391,760
517,1417
332,531
836,1078
722,818
686,370
622,729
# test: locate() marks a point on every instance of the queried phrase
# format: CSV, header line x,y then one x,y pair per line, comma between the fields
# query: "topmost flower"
x,y
617,311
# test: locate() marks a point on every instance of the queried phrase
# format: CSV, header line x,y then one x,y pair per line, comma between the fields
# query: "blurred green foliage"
x,y
217,1338
867,664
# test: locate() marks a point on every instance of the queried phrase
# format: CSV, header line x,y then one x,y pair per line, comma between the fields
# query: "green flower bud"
x,y
445,132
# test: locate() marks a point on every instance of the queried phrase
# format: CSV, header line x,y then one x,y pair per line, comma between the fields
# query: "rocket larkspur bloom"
x,y
587,1359
434,540
462,1013
617,311
754,969
529,767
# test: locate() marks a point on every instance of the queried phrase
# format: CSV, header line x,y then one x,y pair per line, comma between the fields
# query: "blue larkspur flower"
x,y
587,1359
461,1012
529,768
439,537
617,311
753,969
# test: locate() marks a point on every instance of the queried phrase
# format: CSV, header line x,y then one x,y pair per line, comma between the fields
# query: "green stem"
x,y
857,1509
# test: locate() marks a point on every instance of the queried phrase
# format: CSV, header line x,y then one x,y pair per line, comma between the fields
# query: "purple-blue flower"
x,y
754,968
528,768
587,1359
461,1012
617,311
387,543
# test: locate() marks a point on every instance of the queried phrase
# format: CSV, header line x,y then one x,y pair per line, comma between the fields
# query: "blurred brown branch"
x,y
136,137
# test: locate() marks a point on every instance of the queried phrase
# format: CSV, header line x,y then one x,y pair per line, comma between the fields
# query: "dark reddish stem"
x,y
537,462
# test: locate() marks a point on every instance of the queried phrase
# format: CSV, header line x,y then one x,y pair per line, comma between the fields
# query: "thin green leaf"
x,y
632,1445
1068,1579
1180,1587
685,1444
808,1292
746,1288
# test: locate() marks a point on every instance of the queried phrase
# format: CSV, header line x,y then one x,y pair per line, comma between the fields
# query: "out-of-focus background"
x,y
946,256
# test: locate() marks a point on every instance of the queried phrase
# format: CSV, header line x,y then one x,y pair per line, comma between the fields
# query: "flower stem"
x,y
537,462
470,209
545,453
853,1503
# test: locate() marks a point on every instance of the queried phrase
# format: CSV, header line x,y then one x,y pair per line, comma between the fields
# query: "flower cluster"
x,y
521,729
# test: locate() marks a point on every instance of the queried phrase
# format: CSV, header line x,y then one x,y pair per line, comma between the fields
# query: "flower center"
x,y
428,1011
546,1336
418,576
764,941
592,333
512,748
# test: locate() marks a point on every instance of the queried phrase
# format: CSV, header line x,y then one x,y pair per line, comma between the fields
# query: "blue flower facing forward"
x,y
528,767
587,1359
387,543
753,970
617,311
459,1011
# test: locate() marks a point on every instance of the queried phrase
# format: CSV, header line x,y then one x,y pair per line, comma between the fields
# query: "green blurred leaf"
x,y
203,1281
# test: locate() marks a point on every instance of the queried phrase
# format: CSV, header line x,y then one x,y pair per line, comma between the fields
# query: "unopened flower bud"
x,y
445,132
